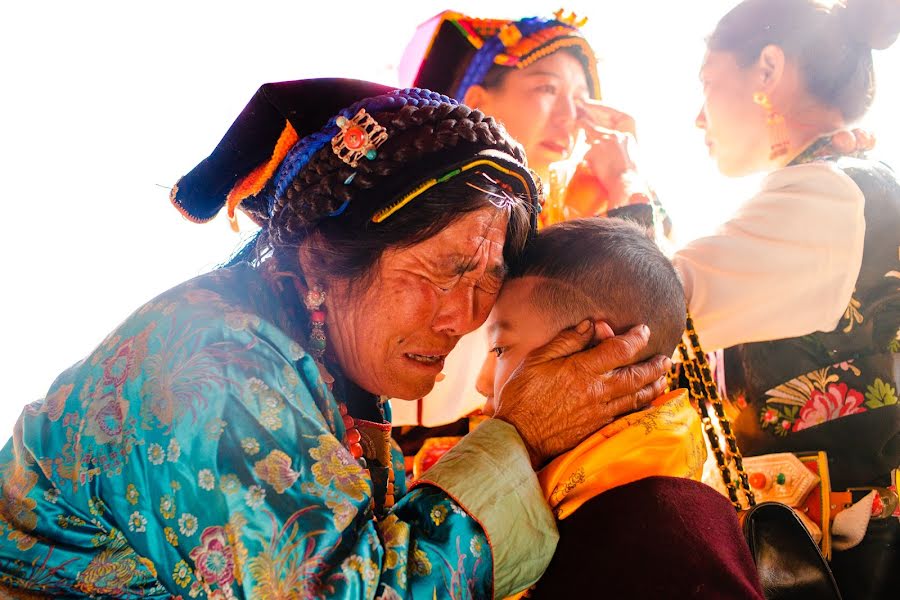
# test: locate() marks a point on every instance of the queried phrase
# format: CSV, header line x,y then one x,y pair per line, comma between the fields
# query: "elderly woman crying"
x,y
230,438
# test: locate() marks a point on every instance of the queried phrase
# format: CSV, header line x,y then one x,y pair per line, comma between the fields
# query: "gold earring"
x,y
778,137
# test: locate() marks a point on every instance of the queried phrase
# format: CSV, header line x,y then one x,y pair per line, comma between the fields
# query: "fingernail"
x,y
645,331
667,363
583,327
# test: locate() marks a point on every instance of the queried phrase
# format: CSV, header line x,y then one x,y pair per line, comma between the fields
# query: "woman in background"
x,y
801,285
537,76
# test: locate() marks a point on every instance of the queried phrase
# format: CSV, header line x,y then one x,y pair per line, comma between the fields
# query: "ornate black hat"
x,y
286,124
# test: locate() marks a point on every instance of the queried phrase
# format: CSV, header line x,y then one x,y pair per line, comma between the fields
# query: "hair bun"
x,y
872,23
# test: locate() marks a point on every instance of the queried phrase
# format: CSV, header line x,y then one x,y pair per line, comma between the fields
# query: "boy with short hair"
x,y
603,270
632,489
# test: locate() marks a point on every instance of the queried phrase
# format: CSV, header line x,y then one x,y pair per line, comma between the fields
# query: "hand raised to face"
x,y
572,386
595,117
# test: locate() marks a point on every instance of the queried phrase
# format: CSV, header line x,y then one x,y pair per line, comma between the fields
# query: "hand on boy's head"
x,y
602,331
566,390
500,362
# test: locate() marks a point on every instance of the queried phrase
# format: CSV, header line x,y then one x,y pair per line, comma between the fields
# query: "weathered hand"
x,y
566,390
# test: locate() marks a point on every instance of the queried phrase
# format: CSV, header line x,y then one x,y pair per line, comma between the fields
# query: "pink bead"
x,y
317,316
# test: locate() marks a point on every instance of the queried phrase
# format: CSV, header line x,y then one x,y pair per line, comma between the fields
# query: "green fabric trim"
x,y
489,474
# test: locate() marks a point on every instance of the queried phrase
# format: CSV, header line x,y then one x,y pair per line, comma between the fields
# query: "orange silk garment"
x,y
665,439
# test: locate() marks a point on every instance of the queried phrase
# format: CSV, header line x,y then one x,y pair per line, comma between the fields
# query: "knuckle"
x,y
631,344
617,351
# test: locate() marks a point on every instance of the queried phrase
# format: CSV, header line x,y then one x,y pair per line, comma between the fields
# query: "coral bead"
x,y
877,505
354,138
353,436
356,450
317,316
758,480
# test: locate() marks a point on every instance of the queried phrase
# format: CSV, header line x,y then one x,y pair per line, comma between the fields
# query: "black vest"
x,y
835,391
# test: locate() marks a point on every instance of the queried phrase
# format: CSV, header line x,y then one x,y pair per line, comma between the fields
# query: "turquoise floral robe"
x,y
196,453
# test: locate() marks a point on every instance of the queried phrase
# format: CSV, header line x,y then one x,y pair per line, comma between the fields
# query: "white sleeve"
x,y
785,265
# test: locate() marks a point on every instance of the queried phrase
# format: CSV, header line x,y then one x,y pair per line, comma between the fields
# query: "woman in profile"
x,y
801,284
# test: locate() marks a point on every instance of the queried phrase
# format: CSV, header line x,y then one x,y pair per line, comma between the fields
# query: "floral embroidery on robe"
x,y
196,453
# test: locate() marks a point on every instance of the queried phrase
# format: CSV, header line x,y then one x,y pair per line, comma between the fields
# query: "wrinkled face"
x,y
538,106
391,337
735,127
515,327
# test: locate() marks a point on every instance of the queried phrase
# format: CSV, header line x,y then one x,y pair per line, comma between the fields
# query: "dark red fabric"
x,y
659,537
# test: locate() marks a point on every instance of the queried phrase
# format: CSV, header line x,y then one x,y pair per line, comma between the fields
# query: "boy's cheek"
x,y
504,368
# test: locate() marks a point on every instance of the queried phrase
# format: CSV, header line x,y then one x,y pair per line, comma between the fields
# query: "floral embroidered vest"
x,y
835,391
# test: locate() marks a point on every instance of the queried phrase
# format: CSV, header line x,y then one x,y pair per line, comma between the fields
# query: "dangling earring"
x,y
314,300
778,138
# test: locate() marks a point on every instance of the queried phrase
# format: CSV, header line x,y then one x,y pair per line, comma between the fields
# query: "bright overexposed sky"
x,y
104,105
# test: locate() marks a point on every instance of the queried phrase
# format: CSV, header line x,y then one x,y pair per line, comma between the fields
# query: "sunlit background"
x,y
104,105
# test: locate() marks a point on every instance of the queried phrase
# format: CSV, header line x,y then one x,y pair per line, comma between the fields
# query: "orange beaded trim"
x,y
257,179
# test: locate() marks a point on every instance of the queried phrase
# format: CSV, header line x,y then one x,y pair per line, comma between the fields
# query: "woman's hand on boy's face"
x,y
576,384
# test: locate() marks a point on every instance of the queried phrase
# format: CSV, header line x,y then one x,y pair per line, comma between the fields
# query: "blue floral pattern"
x,y
196,453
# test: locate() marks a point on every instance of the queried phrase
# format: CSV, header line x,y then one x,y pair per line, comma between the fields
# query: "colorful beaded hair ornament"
x,y
267,150
452,52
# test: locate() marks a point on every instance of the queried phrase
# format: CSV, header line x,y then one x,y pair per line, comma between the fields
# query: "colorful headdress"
x,y
280,131
452,52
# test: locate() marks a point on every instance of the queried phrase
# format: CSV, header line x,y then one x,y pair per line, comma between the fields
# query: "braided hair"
x,y
329,205
321,187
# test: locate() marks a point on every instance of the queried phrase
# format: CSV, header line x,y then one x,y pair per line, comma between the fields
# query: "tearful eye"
x,y
440,286
498,350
